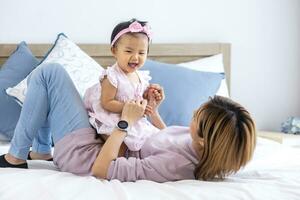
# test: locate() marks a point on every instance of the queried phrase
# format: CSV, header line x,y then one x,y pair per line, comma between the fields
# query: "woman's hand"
x,y
133,111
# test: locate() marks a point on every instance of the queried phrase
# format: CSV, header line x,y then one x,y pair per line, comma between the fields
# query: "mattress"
x,y
273,173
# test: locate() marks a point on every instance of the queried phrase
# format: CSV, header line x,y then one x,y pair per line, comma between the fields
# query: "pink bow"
x,y
134,27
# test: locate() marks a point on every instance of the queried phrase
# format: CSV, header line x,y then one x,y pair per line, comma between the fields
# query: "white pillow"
x,y
83,70
210,64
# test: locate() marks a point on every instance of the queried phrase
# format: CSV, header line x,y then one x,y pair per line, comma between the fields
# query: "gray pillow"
x,y
19,64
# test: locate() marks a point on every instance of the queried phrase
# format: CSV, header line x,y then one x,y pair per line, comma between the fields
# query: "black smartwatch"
x,y
123,125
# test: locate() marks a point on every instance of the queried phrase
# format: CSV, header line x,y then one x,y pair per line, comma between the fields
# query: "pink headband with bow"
x,y
134,27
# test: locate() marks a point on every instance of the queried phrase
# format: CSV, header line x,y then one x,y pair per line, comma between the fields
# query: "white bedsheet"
x,y
274,173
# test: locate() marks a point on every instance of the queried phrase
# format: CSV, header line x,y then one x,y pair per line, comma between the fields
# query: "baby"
x,y
124,82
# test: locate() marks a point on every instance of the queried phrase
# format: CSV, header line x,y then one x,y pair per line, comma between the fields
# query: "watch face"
x,y
123,124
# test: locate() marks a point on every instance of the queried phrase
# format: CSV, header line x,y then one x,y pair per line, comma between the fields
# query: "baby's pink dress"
x,y
104,121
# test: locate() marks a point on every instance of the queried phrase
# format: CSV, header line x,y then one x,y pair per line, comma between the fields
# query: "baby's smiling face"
x,y
131,51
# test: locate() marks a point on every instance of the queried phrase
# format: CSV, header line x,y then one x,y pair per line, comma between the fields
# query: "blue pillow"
x,y
185,90
19,64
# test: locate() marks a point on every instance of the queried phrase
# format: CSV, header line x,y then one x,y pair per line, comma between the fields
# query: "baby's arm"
x,y
108,93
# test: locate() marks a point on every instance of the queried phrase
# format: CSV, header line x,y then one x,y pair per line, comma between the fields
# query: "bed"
x,y
273,173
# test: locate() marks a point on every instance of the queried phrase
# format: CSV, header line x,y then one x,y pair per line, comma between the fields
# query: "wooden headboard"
x,y
169,53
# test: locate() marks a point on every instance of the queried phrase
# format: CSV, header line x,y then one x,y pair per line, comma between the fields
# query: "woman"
x,y
220,140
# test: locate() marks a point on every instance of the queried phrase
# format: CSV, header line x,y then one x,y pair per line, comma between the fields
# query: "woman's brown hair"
x,y
229,138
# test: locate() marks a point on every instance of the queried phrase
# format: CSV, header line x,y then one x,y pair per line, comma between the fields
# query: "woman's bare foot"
x,y
38,156
13,160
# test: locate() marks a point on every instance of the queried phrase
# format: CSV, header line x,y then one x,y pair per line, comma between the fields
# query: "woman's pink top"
x,y
165,156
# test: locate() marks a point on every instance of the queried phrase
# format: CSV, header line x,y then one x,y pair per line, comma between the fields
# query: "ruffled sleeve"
x,y
111,74
145,76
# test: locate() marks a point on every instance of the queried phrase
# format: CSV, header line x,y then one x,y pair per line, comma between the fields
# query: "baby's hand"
x,y
152,91
157,94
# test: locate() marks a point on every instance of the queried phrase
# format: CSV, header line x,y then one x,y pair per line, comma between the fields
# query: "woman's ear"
x,y
201,141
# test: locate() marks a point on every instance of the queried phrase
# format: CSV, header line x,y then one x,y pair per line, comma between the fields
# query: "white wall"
x,y
265,38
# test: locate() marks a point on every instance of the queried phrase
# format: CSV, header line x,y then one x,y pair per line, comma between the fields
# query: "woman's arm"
x,y
156,120
132,111
155,95
108,93
108,153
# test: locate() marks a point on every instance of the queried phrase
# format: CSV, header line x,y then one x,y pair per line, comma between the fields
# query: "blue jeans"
x,y
52,105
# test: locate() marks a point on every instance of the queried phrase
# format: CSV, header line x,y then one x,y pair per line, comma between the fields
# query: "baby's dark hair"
x,y
121,26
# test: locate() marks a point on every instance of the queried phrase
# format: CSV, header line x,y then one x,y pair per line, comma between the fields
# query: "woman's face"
x,y
194,124
194,128
197,140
